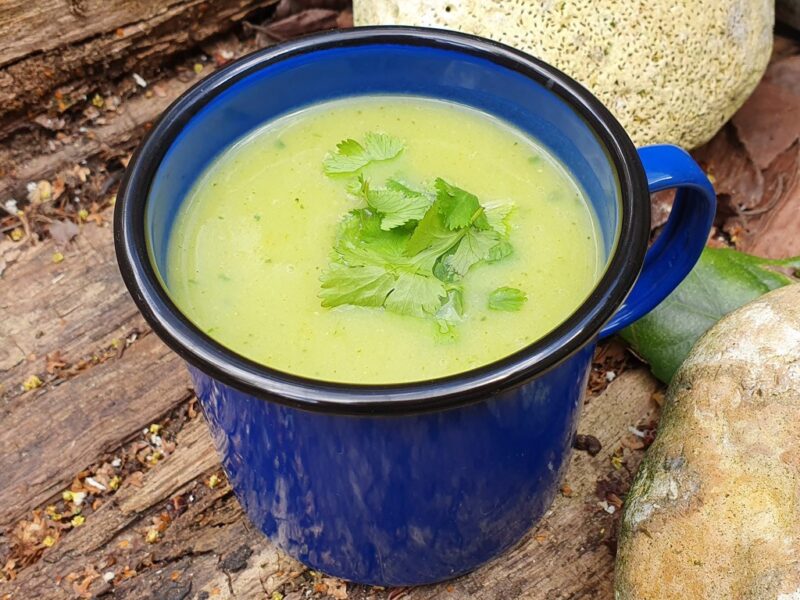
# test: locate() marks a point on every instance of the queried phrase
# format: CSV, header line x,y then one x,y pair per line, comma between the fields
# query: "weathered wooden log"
x,y
55,51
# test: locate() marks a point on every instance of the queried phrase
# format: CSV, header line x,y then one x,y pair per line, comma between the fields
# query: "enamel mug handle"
x,y
670,259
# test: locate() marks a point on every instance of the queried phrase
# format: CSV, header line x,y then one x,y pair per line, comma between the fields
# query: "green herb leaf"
x,y
452,311
475,245
497,215
397,208
507,298
431,239
380,146
499,251
361,241
721,281
350,156
399,186
358,186
442,271
360,286
397,205
458,207
416,294
453,308
406,250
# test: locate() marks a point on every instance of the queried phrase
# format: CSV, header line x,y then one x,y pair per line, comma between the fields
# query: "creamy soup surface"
x,y
255,234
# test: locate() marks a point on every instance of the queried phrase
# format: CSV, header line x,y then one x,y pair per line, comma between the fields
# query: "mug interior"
x,y
382,69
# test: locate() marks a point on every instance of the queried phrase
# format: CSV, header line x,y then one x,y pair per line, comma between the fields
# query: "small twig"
x,y
42,218
254,27
260,30
26,227
109,183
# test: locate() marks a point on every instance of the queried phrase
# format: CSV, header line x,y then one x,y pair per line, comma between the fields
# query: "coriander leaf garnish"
x,y
358,186
397,208
452,311
360,286
408,249
453,308
458,207
474,246
497,215
442,271
398,204
499,251
350,156
380,146
507,298
400,186
416,294
361,241
431,239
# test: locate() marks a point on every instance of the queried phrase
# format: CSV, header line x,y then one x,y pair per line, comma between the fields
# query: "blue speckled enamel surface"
x,y
399,500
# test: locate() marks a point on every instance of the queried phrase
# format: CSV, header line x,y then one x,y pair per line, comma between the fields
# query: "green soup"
x,y
255,234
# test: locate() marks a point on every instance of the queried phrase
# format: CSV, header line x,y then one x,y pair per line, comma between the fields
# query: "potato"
x,y
714,511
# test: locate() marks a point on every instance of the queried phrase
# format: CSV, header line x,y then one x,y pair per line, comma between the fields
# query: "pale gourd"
x,y
671,71
714,511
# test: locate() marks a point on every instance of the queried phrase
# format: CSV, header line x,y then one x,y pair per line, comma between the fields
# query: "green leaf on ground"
x,y
721,281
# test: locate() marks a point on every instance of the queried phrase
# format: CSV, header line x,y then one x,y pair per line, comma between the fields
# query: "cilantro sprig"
x,y
350,156
397,203
407,249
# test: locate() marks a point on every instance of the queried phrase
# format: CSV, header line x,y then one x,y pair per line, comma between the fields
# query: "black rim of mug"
x,y
269,384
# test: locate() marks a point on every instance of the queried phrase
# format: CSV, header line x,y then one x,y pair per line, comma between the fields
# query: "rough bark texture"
x,y
55,51
714,509
115,136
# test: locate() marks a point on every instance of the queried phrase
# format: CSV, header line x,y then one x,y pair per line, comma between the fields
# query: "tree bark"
x,y
56,51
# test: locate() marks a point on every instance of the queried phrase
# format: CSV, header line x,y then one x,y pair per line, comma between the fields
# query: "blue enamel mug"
x,y
412,483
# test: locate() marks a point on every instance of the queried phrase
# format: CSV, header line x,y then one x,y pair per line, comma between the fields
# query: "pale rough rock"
x,y
671,71
715,508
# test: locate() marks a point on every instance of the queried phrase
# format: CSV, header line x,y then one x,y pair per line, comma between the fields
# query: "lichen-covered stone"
x,y
670,70
714,511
